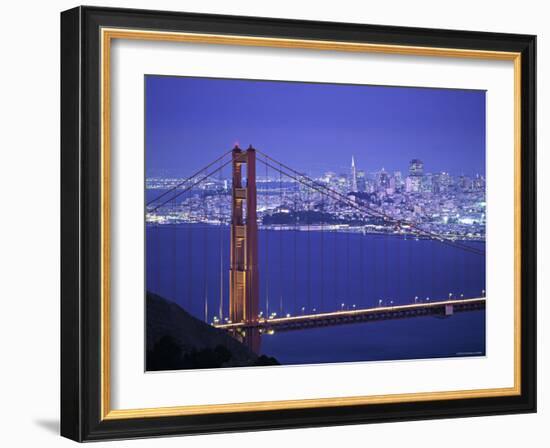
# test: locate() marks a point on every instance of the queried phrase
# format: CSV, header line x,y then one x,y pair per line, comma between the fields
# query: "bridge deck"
x,y
441,308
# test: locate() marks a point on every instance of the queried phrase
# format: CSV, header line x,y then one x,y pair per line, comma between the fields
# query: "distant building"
x,y
413,184
416,168
436,183
361,180
353,186
383,180
398,179
465,183
479,182
329,177
445,181
427,183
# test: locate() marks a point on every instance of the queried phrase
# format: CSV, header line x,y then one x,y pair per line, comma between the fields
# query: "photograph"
x,y
296,222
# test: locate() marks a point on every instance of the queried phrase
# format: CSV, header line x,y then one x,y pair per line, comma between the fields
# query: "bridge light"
x,y
380,302
415,299
461,296
288,315
343,305
427,299
450,295
482,292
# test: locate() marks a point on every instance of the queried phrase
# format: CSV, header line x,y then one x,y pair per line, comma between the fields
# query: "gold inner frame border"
x,y
107,35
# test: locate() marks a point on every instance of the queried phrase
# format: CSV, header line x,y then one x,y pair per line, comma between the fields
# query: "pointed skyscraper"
x,y
353,175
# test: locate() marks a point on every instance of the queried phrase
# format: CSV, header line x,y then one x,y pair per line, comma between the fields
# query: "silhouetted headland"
x,y
177,340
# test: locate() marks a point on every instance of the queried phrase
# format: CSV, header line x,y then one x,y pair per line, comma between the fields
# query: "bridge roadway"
x,y
444,308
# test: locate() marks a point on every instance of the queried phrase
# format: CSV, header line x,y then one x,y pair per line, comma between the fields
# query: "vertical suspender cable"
x,y
266,273
189,264
361,271
308,256
386,270
398,288
280,244
431,242
335,239
205,252
174,251
375,282
295,237
321,308
348,277
220,237
157,238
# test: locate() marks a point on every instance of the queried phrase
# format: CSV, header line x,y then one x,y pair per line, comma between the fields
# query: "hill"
x,y
177,340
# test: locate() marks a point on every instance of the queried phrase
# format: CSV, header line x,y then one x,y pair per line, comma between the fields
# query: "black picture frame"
x,y
81,224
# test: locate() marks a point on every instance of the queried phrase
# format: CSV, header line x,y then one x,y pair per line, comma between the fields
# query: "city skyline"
x,y
382,127
344,170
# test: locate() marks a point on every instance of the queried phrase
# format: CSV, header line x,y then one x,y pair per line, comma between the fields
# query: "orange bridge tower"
x,y
243,277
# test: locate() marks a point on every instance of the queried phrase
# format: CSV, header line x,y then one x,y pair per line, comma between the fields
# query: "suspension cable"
x,y
186,189
188,179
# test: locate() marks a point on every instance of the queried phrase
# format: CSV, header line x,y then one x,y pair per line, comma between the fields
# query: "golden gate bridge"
x,y
245,319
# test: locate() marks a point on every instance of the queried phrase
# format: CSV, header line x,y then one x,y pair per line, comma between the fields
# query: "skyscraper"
x,y
353,175
416,168
361,180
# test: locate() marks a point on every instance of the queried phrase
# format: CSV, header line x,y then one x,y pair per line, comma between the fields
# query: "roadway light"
x,y
450,295
427,299
380,302
343,305
415,299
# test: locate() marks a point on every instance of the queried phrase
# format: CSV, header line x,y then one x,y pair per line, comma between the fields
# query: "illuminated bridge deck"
x,y
443,308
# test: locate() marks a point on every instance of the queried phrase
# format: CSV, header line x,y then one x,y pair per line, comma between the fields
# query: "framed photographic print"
x,y
273,223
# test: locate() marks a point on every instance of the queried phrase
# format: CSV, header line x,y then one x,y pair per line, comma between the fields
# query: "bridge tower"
x,y
243,277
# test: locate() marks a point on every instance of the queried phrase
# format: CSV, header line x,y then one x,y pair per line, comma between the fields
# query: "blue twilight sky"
x,y
312,127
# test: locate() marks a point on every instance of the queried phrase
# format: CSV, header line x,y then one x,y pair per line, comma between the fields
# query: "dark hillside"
x,y
177,340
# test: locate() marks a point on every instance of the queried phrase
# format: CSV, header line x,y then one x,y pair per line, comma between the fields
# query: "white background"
x,y
29,234
133,388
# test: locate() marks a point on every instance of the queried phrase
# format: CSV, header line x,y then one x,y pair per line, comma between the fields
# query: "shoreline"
x,y
329,228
